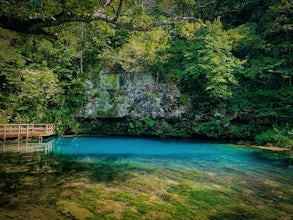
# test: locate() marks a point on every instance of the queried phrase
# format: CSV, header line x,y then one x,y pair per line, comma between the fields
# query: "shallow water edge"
x,y
195,184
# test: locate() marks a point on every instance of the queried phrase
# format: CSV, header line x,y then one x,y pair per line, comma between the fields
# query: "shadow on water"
x,y
106,169
238,213
9,182
281,159
49,169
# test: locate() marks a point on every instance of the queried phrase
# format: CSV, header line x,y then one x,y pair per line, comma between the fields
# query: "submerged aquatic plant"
x,y
132,186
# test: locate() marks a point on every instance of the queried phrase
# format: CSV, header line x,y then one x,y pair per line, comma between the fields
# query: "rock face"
x,y
132,96
149,4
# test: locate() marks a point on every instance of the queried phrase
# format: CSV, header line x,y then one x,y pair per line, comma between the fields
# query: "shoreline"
x,y
239,143
272,148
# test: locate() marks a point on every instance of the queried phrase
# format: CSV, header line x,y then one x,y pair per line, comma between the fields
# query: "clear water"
x,y
185,154
145,178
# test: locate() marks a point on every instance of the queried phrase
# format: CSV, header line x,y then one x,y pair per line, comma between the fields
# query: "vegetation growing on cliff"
x,y
232,61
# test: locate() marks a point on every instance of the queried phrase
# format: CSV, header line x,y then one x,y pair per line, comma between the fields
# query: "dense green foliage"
x,y
234,65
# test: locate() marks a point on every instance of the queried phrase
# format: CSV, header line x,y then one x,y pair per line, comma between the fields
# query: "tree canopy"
x,y
231,60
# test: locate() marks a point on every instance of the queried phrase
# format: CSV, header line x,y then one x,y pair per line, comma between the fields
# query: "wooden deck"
x,y
20,131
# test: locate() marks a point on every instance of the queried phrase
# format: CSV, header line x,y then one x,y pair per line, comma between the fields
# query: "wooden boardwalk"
x,y
20,131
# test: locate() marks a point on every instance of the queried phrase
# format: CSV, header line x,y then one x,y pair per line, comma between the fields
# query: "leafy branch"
x,y
37,25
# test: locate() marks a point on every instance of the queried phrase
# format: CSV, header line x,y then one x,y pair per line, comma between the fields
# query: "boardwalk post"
x,y
26,145
26,131
4,135
18,136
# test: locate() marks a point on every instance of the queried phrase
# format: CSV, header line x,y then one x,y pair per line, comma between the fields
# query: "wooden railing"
x,y
25,130
26,147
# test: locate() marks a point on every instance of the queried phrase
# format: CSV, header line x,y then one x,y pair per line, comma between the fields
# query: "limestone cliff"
x,y
132,96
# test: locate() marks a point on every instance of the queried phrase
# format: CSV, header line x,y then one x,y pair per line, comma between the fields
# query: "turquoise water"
x,y
143,178
179,154
191,154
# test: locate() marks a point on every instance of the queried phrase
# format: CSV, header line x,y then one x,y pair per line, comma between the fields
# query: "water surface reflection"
x,y
26,146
